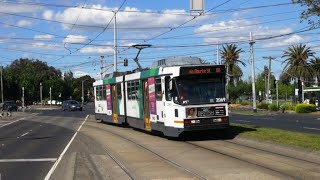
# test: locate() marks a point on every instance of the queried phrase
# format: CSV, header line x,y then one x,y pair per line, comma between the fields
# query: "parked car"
x,y
9,106
71,105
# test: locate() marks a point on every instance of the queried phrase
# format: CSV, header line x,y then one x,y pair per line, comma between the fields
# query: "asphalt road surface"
x,y
307,123
31,143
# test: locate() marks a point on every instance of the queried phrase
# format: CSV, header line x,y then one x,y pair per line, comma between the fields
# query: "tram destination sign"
x,y
198,70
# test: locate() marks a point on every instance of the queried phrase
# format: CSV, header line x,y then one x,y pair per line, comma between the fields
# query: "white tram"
x,y
174,96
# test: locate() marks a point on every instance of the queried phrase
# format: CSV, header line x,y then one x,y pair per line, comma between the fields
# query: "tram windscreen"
x,y
201,90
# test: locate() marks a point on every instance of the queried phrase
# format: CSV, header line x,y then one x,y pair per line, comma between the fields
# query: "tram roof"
x,y
177,61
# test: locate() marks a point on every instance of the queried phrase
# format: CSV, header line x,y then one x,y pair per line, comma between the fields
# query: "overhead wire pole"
x,y
102,67
1,84
254,102
115,42
269,74
217,52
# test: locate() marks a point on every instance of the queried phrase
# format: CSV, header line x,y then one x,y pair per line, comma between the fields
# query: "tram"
x,y
175,95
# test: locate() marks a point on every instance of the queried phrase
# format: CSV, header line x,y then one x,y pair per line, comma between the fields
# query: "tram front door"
x,y
146,110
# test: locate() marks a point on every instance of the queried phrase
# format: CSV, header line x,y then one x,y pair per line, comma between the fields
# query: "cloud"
x,y
294,39
48,14
44,46
99,50
78,74
23,23
75,39
100,19
43,37
236,31
19,8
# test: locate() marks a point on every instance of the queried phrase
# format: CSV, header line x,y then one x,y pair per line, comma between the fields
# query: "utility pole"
x,y
277,87
269,73
50,97
41,94
102,67
217,62
115,42
302,89
1,85
254,103
82,93
23,99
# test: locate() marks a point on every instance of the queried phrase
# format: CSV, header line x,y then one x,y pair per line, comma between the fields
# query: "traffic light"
x,y
125,62
275,83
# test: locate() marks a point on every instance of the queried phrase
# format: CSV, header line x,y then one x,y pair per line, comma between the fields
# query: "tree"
x,y
28,73
242,88
297,65
312,11
315,64
230,55
68,85
87,84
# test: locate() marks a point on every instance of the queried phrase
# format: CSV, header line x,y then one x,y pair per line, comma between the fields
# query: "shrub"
x,y
273,107
287,106
245,103
263,106
305,108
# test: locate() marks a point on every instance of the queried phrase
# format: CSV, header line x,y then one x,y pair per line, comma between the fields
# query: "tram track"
x,y
116,160
259,163
279,154
240,159
265,161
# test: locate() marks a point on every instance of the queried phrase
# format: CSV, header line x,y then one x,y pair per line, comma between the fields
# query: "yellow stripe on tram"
x,y
178,122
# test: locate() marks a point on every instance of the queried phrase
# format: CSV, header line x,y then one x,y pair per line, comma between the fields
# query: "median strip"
x,y
304,140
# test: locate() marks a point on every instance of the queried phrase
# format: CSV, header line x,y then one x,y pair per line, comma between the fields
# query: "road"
x,y
307,123
62,145
31,143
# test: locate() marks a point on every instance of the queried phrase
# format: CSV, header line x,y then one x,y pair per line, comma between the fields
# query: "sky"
x,y
74,35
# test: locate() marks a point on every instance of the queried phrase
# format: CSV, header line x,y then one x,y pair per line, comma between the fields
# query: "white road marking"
x,y
311,128
242,121
63,152
28,160
24,134
12,122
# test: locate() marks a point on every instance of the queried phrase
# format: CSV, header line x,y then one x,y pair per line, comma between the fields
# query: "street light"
x,y
82,95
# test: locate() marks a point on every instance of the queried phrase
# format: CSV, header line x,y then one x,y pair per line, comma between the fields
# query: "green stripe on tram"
x,y
149,73
109,81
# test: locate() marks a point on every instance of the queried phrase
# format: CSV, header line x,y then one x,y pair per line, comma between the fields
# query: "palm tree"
x,y
230,55
315,64
297,65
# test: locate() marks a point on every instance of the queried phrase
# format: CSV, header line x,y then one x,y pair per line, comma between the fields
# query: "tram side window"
x,y
137,89
158,89
100,93
167,88
133,90
129,90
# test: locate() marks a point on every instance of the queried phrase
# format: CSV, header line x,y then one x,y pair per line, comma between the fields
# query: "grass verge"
x,y
304,140
250,112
